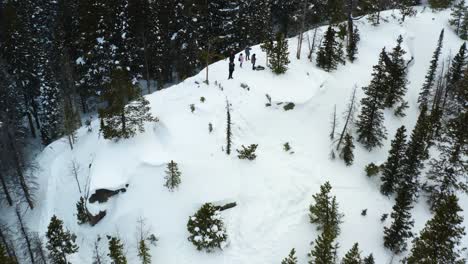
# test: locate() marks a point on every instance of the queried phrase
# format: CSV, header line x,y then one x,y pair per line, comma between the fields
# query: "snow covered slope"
x,y
274,191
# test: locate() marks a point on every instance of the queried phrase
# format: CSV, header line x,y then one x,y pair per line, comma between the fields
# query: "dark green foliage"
x,y
372,8
60,242
324,251
202,99
364,212
440,239
286,147
5,259
116,250
206,228
144,252
278,55
372,169
396,79
247,152
399,231
400,110
459,18
406,8
391,172
335,11
369,259
210,127
330,53
126,111
440,4
291,258
289,106
370,129
383,218
347,151
324,212
172,176
192,108
353,256
352,47
431,74
82,212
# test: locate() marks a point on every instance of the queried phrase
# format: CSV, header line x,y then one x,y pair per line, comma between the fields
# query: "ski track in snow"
x,y
273,193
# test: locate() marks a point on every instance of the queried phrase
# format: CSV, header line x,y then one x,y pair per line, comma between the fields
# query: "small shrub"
x,y
372,170
289,106
247,152
192,108
364,212
269,100
286,147
210,127
206,228
202,99
245,86
383,218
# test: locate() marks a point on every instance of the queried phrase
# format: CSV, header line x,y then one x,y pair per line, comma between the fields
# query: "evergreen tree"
x,y
330,53
396,75
127,110
415,153
372,8
172,176
456,70
391,174
207,229
370,130
352,47
406,8
324,212
60,242
324,251
347,151
5,259
440,239
369,259
291,258
463,33
255,26
440,4
353,256
82,213
399,231
430,76
279,55
335,11
457,16
143,252
116,250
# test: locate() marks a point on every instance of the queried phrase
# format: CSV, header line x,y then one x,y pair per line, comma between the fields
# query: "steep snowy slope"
x,y
274,191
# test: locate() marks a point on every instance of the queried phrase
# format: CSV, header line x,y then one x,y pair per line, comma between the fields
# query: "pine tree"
x,y
207,229
464,27
456,70
370,128
347,151
353,256
430,76
143,252
172,176
5,259
116,250
369,259
372,8
440,4
330,53
335,11
82,213
406,8
440,239
391,174
324,212
60,242
457,16
279,55
324,251
396,75
352,47
399,231
291,258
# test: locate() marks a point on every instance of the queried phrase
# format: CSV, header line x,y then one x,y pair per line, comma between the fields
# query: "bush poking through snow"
x,y
245,86
269,100
383,218
210,127
286,147
247,152
82,212
192,108
289,106
202,99
364,212
116,250
172,176
372,169
291,259
206,228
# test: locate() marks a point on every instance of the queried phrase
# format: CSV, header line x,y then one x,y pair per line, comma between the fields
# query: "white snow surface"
x,y
274,191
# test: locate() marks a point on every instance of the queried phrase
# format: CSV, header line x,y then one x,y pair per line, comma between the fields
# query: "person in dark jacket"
x,y
254,59
247,53
232,57
231,70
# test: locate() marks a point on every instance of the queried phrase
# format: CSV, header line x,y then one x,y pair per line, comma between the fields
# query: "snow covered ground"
x,y
273,192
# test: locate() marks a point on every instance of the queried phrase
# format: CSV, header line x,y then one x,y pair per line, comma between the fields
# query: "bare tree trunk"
x,y
19,171
350,22
5,189
28,114
349,116
25,235
312,48
301,34
332,133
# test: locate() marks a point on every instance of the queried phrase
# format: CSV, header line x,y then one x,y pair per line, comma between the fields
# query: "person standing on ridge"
x,y
254,59
231,69
241,59
231,57
247,53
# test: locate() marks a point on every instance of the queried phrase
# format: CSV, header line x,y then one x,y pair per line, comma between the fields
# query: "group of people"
x,y
241,60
